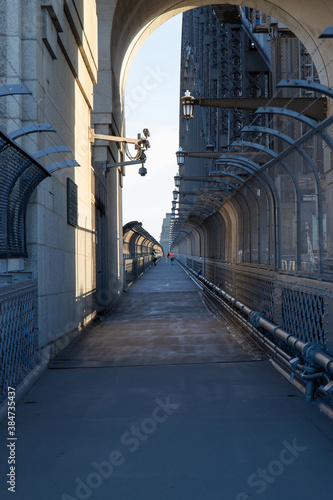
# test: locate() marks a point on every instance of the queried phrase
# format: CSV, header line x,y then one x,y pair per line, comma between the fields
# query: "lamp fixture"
x,y
180,157
177,180
175,194
187,105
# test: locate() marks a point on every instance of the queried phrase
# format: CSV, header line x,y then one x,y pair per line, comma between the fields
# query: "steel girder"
x,y
312,166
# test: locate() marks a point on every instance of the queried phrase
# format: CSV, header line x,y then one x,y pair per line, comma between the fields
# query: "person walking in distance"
x,y
172,256
154,257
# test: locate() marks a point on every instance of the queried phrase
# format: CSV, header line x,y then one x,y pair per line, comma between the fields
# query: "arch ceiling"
x,y
135,20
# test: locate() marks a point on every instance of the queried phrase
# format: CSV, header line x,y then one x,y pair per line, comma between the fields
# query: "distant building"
x,y
165,234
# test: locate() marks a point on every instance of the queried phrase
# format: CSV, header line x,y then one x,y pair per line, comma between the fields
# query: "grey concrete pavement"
x,y
161,402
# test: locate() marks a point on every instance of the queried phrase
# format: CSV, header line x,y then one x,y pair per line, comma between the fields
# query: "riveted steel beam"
x,y
315,108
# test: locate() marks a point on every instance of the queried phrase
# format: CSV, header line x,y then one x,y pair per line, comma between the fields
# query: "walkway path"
x,y
161,402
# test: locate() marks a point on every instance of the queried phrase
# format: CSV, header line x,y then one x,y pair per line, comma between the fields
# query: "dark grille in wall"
x,y
72,217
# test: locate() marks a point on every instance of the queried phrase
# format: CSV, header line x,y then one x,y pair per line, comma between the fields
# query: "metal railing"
x,y
135,267
302,306
18,334
302,355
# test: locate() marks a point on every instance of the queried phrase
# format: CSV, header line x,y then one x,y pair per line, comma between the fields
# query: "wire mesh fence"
x,y
301,306
18,334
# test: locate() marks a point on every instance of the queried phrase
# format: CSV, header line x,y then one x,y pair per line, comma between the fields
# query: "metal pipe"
x,y
307,374
323,360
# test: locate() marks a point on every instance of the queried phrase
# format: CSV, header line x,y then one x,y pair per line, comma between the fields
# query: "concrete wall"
x,y
106,119
51,47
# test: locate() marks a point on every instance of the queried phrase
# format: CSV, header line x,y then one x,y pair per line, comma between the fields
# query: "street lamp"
x,y
180,157
187,103
177,180
175,194
174,204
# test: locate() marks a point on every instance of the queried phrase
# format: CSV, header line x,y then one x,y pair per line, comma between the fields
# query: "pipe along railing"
x,y
311,363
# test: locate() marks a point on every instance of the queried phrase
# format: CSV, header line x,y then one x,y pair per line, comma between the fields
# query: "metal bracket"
x,y
315,108
141,142
304,84
267,130
254,318
106,167
298,116
288,113
49,151
30,129
309,352
110,138
13,90
61,164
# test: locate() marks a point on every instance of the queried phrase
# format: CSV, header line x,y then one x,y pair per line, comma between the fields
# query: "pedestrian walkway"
x,y
160,401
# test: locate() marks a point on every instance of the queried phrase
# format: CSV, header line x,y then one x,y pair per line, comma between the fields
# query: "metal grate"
x,y
303,315
72,214
18,335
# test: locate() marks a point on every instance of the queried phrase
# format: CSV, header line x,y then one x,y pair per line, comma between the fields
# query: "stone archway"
x,y
124,25
135,20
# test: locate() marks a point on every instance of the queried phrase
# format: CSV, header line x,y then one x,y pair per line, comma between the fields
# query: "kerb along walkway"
x,y
161,401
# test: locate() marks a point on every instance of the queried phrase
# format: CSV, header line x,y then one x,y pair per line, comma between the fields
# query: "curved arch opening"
x,y
130,31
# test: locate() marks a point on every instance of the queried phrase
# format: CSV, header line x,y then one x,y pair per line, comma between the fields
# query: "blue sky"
x,y
152,101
